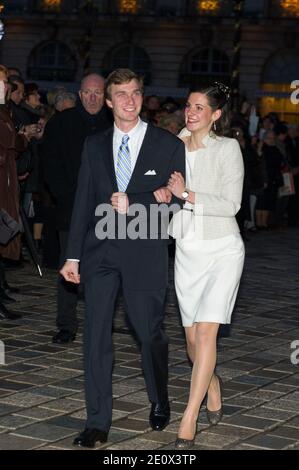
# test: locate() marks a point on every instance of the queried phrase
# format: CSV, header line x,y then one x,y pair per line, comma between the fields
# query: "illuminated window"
x,y
290,7
52,60
128,56
208,6
279,71
203,66
128,6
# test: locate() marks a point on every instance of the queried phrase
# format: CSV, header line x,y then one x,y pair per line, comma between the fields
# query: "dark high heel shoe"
x,y
214,417
185,444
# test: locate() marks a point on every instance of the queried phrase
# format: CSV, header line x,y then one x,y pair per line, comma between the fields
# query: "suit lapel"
x,y
108,158
144,159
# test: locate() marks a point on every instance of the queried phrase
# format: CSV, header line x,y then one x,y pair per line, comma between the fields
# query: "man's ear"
x,y
109,104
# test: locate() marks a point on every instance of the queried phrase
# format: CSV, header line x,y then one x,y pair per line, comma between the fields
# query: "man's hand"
x,y
31,130
70,271
120,202
163,195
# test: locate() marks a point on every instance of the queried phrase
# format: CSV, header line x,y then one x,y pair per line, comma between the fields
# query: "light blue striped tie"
x,y
123,166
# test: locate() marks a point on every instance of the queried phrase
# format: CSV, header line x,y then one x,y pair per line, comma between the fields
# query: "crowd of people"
x,y
231,173
269,152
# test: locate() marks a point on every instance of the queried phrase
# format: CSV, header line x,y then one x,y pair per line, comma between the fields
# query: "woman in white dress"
x,y
209,249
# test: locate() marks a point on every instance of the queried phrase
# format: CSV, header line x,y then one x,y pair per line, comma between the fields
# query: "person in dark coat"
x,y
61,154
11,144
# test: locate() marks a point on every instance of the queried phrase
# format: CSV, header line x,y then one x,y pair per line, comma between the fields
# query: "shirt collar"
x,y
132,132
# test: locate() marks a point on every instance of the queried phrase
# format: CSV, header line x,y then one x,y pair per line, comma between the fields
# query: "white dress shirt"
x,y
135,141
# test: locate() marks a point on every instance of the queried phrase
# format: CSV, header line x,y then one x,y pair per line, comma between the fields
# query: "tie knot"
x,y
125,139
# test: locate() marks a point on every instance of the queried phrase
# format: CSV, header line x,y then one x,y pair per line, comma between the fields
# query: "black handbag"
x,y
9,227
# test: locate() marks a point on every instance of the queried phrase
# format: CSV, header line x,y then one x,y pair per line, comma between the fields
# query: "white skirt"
x,y
207,278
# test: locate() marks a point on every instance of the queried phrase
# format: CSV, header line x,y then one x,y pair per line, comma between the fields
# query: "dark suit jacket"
x,y
146,258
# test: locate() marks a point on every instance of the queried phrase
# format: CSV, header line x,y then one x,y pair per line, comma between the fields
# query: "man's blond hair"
x,y
120,76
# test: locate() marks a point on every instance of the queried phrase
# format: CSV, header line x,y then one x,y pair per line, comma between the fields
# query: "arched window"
x,y
131,57
279,71
203,66
52,60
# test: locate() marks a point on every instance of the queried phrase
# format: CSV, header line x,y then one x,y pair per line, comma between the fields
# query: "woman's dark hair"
x,y
218,96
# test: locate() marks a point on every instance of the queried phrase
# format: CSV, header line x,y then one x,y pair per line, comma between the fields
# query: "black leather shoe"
x,y
7,315
64,336
159,415
89,437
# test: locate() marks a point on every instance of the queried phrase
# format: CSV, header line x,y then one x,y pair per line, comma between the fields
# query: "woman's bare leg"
x,y
214,400
201,347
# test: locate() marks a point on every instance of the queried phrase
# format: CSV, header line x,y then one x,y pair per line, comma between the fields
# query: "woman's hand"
x,y
30,131
176,184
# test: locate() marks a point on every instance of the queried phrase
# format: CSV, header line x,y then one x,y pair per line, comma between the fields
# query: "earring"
x,y
214,125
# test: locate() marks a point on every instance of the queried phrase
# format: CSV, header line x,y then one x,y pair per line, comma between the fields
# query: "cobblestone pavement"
x,y
41,384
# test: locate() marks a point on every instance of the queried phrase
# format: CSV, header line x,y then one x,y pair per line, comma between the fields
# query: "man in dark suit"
x,y
62,147
128,164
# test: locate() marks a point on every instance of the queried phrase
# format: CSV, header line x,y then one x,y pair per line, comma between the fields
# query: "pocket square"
x,y
150,173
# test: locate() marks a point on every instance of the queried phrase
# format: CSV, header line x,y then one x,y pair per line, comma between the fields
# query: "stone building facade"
x,y
172,42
